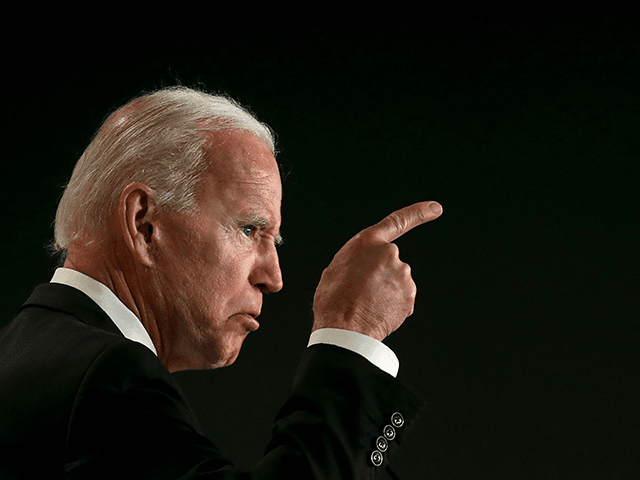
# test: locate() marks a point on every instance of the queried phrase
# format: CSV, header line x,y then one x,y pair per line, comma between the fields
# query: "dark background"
x,y
525,335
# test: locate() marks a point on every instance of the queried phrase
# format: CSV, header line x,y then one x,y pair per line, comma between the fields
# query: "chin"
x,y
194,360
211,353
219,364
223,360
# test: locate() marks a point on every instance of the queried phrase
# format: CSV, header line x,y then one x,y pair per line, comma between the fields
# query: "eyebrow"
x,y
260,222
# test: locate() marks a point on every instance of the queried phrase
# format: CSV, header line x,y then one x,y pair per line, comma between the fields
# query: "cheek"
x,y
215,274
241,265
213,285
232,263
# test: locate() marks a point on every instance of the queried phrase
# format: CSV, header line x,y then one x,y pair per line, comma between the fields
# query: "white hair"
x,y
156,139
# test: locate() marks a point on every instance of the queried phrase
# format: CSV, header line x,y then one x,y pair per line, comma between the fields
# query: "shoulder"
x,y
55,345
61,328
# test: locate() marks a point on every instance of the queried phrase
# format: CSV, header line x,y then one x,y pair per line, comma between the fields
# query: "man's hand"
x,y
366,288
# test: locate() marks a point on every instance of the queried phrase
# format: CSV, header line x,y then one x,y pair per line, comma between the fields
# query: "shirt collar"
x,y
126,321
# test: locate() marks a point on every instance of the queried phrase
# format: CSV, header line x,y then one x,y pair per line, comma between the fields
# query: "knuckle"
x,y
397,222
360,235
410,285
393,250
365,236
405,270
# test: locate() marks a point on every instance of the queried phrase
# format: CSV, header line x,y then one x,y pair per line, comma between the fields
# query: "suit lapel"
x,y
72,301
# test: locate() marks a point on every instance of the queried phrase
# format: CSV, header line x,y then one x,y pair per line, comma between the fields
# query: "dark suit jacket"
x,y
79,400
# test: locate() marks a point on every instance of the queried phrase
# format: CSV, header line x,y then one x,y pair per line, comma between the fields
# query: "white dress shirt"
x,y
131,327
126,321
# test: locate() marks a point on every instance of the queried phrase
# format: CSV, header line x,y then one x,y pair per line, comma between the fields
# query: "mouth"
x,y
249,321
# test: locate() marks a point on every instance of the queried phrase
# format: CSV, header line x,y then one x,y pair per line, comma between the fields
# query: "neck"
x,y
122,279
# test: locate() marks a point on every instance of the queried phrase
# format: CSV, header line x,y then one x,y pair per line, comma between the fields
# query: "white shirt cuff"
x,y
373,350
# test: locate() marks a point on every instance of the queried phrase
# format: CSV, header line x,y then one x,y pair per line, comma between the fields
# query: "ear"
x,y
137,213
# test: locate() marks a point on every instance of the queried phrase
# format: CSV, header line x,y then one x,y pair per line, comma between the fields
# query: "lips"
x,y
248,321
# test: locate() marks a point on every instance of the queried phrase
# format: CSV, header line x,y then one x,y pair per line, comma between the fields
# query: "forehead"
x,y
238,153
242,171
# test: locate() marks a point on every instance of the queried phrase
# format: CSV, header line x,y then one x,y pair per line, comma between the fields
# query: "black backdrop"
x,y
525,335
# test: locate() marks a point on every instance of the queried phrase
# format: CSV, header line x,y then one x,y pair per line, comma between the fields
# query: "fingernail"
x,y
435,208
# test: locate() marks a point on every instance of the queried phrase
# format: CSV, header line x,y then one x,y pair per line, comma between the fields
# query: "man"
x,y
169,227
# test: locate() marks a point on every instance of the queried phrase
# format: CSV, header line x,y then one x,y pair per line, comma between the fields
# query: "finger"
x,y
401,221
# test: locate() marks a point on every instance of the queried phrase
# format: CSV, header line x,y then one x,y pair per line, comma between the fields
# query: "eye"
x,y
248,230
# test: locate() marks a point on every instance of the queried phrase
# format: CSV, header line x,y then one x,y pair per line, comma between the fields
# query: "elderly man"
x,y
169,227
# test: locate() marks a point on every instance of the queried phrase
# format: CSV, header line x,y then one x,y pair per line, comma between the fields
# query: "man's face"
x,y
213,267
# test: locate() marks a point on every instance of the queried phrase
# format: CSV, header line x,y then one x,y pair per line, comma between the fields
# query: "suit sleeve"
x,y
130,420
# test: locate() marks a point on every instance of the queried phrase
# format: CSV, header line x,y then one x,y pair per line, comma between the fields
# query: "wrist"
x,y
353,324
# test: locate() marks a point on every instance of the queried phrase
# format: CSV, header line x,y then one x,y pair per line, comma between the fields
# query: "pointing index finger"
x,y
401,221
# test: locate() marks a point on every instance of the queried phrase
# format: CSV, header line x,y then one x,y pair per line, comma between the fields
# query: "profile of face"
x,y
212,267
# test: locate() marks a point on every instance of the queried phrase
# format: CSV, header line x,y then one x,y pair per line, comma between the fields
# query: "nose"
x,y
266,275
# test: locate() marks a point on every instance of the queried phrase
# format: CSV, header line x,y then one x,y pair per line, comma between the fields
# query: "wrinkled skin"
x,y
367,288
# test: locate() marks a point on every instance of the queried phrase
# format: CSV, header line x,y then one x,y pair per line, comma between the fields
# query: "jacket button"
x,y
389,432
397,420
376,458
382,444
